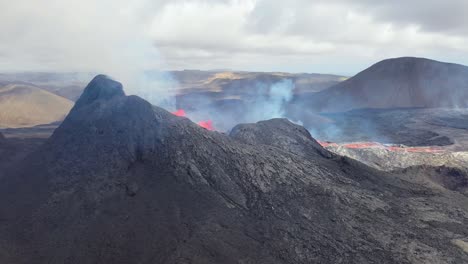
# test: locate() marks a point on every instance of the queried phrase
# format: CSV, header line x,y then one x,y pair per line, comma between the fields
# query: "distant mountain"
x,y
240,83
25,105
399,82
122,181
66,84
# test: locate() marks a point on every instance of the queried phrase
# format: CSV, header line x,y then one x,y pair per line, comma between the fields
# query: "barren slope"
x,y
23,106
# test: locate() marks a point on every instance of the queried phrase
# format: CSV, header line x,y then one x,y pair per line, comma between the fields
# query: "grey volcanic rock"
x,y
122,181
408,126
280,133
451,178
100,88
399,82
13,150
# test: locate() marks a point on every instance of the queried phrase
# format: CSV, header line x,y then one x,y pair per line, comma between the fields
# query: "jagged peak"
x,y
101,87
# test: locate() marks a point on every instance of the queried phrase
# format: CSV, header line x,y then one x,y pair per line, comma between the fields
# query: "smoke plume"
x,y
110,37
252,102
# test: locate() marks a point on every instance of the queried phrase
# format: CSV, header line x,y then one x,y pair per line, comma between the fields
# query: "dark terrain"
x,y
407,126
122,181
17,143
13,150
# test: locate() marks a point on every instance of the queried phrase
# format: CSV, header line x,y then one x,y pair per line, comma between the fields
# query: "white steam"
x,y
271,101
261,101
108,36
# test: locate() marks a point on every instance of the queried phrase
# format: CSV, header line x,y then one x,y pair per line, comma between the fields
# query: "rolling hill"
x,y
25,106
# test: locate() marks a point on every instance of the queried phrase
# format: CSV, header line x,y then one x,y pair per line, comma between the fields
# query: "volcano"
x,y
395,83
123,181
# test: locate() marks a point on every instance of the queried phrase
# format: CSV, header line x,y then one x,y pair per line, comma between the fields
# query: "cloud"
x,y
337,36
302,35
82,35
447,17
107,36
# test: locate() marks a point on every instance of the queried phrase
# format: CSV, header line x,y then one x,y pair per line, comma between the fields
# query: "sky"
x,y
322,36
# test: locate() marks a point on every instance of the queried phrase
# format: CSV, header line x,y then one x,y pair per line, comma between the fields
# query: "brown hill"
x,y
65,84
243,83
24,106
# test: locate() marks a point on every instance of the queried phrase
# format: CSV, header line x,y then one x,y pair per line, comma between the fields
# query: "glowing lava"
x,y
179,112
207,124
359,145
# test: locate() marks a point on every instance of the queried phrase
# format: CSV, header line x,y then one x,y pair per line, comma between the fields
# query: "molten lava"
x,y
179,112
359,145
207,124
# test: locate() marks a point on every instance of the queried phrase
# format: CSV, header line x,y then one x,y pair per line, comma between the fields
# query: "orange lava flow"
x,y
206,124
327,144
360,145
179,112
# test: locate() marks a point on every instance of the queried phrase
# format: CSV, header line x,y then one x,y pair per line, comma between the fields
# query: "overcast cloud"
x,y
327,36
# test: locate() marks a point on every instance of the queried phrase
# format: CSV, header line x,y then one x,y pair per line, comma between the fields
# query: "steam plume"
x,y
110,37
